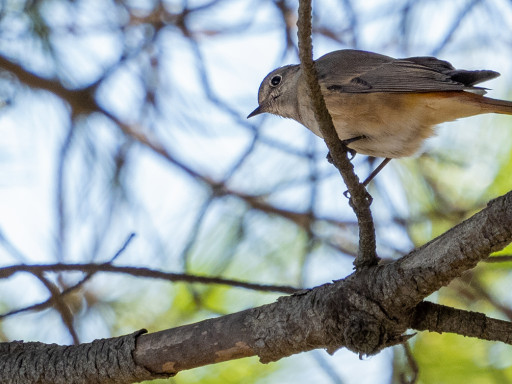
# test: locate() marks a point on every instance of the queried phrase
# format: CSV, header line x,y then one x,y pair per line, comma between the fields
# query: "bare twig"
x,y
61,203
413,365
60,306
48,303
360,200
142,272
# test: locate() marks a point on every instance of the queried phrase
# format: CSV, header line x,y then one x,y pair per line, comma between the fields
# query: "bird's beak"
x,y
257,111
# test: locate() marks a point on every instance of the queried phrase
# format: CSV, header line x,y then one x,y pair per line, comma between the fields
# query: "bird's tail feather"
x,y
497,106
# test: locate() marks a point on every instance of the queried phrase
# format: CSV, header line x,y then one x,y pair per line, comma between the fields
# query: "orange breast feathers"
x,y
395,124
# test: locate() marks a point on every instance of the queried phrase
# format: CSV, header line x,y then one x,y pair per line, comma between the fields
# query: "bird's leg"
x,y
346,142
376,171
353,153
372,175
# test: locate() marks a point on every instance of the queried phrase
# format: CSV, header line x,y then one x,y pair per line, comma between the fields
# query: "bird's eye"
x,y
275,81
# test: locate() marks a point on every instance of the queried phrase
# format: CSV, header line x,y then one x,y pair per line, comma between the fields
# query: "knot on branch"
x,y
363,325
364,335
362,198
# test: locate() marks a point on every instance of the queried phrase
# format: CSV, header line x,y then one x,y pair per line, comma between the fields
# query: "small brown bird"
x,y
380,106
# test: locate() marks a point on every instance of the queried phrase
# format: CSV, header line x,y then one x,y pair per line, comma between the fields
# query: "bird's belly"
x,y
393,125
402,138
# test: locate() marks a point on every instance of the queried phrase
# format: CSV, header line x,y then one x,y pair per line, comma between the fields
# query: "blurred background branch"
x,y
129,117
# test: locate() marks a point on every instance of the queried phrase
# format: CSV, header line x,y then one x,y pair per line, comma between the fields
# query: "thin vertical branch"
x,y
413,366
360,200
61,211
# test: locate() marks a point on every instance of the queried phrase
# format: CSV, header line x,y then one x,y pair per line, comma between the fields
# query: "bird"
x,y
380,106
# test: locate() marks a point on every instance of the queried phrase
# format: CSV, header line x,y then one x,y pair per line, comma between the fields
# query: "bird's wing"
x,y
351,71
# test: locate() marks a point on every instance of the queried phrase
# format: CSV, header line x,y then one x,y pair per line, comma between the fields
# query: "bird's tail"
x,y
496,106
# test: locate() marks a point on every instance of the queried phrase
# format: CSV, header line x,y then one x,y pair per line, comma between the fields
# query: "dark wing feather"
x,y
463,76
354,71
470,78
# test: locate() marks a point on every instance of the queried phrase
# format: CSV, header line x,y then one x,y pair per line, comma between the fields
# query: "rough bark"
x,y
440,318
102,361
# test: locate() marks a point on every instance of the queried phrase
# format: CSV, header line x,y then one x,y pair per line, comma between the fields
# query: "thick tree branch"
x,y
102,361
360,200
448,256
440,318
325,317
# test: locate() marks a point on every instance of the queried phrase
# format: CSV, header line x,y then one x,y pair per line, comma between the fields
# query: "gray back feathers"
x,y
351,71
